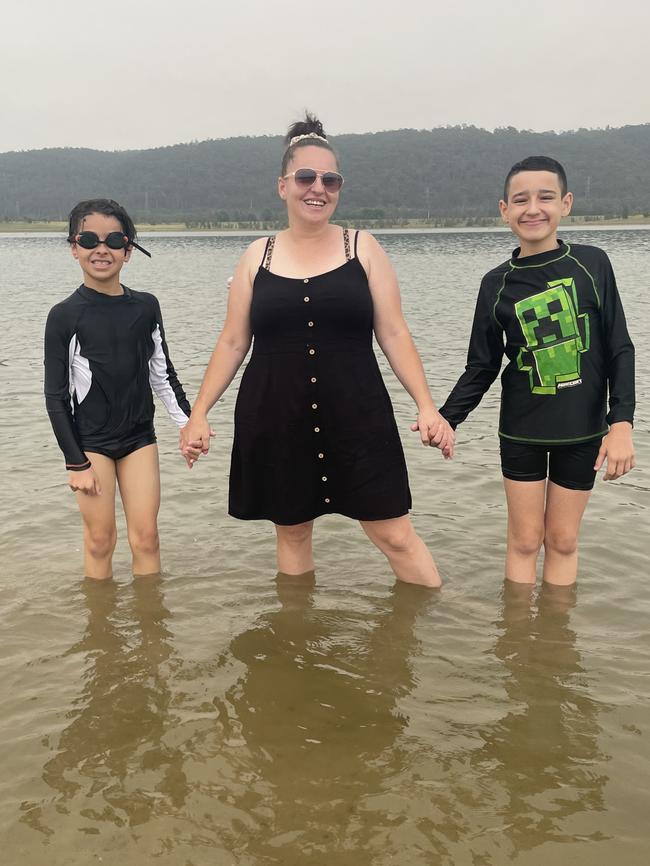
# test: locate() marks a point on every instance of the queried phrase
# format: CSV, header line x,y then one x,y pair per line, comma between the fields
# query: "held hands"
x,y
617,447
195,439
435,431
84,482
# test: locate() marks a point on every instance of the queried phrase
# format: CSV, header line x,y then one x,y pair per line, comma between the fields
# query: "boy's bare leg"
x,y
525,501
138,476
294,548
564,510
408,555
98,514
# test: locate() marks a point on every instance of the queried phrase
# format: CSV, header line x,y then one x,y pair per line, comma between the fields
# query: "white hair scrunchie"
x,y
298,138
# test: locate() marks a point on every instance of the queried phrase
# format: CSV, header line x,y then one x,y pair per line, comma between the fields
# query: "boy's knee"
x,y
100,544
528,543
561,542
144,541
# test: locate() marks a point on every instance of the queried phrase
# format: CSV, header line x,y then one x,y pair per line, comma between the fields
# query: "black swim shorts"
x,y
568,465
116,449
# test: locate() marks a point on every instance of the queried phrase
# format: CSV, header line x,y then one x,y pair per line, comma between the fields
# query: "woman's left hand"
x,y
435,431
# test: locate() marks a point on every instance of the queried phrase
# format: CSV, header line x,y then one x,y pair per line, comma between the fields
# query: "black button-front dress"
x,y
315,431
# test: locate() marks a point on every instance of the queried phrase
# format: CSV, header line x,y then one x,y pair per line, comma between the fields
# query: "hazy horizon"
x,y
342,132
163,74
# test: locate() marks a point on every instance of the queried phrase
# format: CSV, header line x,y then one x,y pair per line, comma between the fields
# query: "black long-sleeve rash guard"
x,y
103,356
558,318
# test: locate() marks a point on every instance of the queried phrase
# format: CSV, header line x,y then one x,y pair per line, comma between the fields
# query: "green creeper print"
x,y
551,324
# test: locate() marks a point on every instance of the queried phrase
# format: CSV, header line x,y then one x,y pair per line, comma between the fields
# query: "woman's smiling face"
x,y
313,203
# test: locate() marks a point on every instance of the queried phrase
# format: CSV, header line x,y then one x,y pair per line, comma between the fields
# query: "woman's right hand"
x,y
84,482
195,438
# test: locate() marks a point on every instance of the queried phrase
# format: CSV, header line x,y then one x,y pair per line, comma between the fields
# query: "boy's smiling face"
x,y
534,209
101,267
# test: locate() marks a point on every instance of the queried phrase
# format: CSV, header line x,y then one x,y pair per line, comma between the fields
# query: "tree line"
x,y
450,172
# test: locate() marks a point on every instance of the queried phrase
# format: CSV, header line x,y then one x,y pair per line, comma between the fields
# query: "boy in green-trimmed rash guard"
x,y
555,311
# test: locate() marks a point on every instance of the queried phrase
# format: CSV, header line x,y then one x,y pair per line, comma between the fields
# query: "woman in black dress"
x,y
314,427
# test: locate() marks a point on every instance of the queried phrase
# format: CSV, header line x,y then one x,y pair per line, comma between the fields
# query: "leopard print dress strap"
x,y
346,244
268,253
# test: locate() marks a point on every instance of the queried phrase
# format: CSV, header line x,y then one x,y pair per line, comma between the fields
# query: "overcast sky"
x,y
145,73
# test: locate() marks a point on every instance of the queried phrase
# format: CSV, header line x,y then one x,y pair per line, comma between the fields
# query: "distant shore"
x,y
11,226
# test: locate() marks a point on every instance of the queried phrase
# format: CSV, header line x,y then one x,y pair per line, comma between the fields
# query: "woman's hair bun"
x,y
311,124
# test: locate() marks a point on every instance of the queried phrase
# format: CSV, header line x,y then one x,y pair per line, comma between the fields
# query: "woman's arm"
x,y
396,343
231,348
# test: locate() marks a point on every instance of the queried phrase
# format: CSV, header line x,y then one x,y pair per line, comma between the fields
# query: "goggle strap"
x,y
138,247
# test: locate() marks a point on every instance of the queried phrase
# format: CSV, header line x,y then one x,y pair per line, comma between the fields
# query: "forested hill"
x,y
452,171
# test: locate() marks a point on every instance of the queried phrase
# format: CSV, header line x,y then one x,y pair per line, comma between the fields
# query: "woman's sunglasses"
x,y
113,240
331,180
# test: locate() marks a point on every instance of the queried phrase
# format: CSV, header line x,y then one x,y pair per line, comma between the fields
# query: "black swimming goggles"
x,y
113,240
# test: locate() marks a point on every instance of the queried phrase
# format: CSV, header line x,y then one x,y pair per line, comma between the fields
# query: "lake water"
x,y
217,715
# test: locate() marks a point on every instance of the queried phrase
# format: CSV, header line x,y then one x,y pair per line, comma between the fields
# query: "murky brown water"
x,y
218,716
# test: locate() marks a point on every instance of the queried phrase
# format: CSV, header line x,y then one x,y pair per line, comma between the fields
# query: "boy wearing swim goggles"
x,y
105,352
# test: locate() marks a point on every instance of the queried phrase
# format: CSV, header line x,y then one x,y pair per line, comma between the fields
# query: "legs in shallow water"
x,y
138,477
564,510
295,591
541,513
98,514
396,538
139,481
525,500
407,554
294,548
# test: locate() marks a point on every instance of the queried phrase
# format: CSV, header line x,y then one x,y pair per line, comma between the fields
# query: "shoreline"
x,y
449,223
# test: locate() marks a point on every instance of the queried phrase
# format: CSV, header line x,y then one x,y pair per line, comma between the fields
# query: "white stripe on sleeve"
x,y
159,380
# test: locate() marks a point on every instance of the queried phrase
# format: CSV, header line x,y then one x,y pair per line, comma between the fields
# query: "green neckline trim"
x,y
542,264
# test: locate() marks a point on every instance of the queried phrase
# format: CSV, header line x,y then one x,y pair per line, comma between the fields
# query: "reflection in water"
x,y
318,707
310,757
307,726
112,764
543,753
